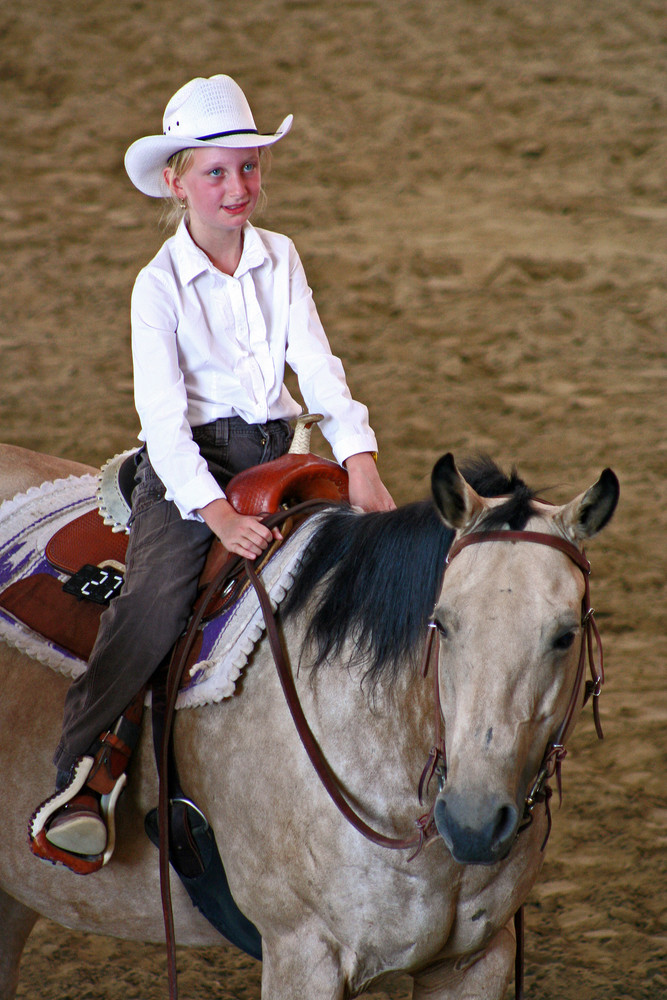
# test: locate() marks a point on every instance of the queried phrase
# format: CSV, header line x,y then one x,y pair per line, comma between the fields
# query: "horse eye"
x,y
564,641
442,629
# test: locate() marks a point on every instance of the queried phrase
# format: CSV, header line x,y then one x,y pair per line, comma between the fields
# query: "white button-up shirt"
x,y
207,345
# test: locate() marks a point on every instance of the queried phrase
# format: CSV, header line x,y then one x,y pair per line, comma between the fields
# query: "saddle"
x,y
91,551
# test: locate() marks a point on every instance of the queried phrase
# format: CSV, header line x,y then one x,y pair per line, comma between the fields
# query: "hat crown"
x,y
205,107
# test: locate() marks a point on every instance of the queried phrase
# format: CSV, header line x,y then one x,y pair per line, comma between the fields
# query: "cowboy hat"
x,y
204,112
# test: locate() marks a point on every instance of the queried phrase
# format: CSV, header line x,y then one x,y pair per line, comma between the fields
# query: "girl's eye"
x,y
216,172
249,167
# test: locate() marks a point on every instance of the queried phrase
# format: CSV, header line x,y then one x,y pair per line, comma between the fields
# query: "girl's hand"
x,y
367,490
242,534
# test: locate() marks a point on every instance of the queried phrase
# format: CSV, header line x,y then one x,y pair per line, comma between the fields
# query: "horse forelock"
x,y
374,578
488,480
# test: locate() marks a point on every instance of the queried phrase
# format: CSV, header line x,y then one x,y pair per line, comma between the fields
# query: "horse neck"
x,y
377,738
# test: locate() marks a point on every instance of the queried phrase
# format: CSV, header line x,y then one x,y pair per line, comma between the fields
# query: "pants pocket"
x,y
149,490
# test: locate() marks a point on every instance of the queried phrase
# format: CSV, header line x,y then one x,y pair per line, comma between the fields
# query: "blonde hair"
x,y
181,162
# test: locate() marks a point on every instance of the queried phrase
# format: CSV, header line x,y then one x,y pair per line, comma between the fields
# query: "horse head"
x,y
511,649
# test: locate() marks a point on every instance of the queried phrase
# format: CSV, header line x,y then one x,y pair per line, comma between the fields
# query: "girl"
x,y
216,315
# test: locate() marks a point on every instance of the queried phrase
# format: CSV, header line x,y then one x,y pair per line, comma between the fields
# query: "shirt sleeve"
x,y
320,373
161,399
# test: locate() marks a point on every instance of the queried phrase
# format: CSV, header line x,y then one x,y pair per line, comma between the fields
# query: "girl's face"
x,y
221,189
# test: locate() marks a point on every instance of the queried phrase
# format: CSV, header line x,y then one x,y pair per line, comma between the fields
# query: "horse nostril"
x,y
476,831
504,827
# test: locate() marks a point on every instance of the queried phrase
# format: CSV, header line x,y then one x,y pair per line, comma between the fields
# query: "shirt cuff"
x,y
354,445
198,493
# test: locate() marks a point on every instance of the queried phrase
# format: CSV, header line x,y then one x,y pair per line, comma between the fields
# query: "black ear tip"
x,y
444,474
445,465
449,491
599,504
612,487
609,480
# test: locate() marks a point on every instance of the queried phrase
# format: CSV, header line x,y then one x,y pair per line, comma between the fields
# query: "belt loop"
x,y
222,432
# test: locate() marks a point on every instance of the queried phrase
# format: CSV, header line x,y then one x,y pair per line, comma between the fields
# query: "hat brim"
x,y
146,158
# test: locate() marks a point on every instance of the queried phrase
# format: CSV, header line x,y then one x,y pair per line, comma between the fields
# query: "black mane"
x,y
377,576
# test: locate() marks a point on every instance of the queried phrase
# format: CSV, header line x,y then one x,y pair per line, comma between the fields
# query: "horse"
x,y
334,909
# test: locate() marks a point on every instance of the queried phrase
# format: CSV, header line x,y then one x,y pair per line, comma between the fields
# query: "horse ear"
x,y
455,499
588,513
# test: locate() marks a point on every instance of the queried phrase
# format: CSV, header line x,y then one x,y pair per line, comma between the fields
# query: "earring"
x,y
183,205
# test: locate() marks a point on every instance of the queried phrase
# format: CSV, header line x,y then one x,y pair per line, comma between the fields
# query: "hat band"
x,y
222,135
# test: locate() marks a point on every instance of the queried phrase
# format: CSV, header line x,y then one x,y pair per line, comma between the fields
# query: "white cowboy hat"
x,y
204,112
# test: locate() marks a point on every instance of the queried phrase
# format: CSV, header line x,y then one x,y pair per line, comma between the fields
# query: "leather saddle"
x,y
92,554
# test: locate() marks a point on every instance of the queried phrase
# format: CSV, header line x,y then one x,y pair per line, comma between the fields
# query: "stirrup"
x,y
78,827
39,821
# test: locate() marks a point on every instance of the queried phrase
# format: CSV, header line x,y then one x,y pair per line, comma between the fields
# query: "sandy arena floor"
x,y
478,193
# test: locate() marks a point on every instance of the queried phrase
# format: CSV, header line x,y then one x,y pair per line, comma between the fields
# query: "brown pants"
x,y
165,556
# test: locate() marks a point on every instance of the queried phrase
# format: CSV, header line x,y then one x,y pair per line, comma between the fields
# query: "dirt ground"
x,y
478,192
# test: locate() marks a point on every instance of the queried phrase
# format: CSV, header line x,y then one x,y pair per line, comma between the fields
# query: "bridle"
x,y
591,649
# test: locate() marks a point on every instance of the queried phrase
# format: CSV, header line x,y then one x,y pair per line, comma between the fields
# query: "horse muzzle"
x,y
478,830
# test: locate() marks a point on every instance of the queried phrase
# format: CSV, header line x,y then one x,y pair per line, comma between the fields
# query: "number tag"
x,y
95,583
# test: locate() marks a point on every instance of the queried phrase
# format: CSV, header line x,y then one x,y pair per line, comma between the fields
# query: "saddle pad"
x,y
27,523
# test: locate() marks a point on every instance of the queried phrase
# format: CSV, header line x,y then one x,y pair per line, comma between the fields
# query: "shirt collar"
x,y
254,252
191,261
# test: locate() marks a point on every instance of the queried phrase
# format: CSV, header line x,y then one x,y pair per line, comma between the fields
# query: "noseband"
x,y
591,645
